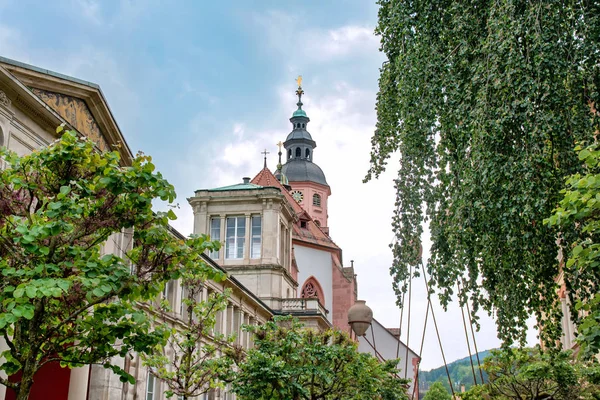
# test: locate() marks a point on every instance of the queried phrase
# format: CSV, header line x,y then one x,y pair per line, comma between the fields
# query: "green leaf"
x,y
55,205
31,291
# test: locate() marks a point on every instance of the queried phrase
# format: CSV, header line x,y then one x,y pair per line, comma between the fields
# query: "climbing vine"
x,y
484,101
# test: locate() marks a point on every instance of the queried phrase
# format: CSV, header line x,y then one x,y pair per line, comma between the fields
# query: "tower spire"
x,y
279,144
265,153
299,92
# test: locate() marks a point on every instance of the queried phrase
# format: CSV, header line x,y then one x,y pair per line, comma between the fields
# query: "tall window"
x,y
150,387
215,234
167,292
298,152
316,200
182,305
307,153
236,236
256,232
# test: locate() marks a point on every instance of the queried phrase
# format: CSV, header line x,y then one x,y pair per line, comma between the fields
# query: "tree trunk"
x,y
26,381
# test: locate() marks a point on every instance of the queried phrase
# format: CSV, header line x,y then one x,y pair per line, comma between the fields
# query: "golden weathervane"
x,y
299,80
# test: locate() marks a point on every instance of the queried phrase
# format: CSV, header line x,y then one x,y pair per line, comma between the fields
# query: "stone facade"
x,y
28,122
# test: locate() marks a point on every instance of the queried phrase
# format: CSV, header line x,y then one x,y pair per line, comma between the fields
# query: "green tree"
x,y
530,374
578,214
62,299
195,357
293,363
483,101
437,391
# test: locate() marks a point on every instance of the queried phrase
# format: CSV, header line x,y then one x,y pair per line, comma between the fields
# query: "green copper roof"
x,y
239,186
299,113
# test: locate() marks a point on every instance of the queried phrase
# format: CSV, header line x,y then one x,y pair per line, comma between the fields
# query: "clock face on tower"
x,y
297,195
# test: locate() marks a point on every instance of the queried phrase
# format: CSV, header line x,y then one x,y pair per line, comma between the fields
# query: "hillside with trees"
x,y
460,373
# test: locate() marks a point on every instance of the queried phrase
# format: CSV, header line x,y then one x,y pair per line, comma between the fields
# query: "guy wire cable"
x,y
462,310
420,352
437,332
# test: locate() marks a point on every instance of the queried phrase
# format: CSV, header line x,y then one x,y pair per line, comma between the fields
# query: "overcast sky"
x,y
205,86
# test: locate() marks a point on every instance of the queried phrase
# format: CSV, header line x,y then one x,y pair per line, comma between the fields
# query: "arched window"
x,y
307,153
303,125
312,289
316,200
298,126
298,152
289,154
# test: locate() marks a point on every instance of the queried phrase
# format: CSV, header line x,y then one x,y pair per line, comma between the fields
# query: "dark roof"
x,y
299,134
301,170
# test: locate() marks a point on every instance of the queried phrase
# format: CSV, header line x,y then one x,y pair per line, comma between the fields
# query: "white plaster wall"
x,y
317,263
387,346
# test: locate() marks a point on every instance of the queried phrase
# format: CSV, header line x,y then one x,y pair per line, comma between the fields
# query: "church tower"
x,y
307,180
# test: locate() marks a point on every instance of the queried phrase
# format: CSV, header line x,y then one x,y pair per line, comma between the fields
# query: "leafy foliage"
x,y
62,299
290,362
530,374
578,215
437,391
194,358
483,102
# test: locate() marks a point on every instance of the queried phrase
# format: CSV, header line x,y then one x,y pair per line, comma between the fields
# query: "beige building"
x,y
33,102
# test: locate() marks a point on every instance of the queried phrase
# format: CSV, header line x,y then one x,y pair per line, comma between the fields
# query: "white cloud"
x,y
340,42
287,34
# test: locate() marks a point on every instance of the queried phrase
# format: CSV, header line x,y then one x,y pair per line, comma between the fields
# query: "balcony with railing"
x,y
310,311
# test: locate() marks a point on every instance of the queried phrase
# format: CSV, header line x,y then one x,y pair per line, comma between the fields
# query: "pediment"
x,y
76,102
76,112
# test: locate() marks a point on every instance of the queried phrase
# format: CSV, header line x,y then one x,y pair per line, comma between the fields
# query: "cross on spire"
x,y
265,153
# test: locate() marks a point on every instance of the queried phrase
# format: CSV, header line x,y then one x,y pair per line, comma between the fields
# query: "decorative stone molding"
x,y
4,100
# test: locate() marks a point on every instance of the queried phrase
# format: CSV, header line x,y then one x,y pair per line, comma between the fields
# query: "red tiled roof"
x,y
312,233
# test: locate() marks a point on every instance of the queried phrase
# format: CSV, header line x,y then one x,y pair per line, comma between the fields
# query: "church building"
x,y
274,228
275,232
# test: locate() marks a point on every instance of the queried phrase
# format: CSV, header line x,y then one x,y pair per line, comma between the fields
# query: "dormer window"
x,y
303,224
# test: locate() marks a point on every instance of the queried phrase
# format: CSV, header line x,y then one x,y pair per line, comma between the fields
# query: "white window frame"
x,y
255,239
215,234
151,391
239,224
182,306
